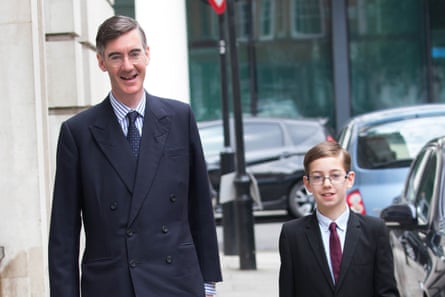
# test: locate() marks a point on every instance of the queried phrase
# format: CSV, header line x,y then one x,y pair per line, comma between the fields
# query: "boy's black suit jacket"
x,y
367,268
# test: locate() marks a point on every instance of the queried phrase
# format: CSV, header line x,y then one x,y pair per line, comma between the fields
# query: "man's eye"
x,y
316,177
336,176
115,57
135,55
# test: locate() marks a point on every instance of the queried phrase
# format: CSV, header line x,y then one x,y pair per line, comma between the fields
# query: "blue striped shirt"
x,y
121,111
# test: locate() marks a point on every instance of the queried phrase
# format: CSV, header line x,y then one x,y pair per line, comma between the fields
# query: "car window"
x,y
415,175
441,194
344,137
212,139
301,134
426,189
395,144
259,136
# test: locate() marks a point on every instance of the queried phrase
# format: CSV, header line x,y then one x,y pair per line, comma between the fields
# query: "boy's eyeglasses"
x,y
334,179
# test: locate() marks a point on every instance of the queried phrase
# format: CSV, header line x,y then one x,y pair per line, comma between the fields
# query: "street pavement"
x,y
263,281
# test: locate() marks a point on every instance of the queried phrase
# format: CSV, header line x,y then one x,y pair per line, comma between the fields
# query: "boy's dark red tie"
x,y
335,250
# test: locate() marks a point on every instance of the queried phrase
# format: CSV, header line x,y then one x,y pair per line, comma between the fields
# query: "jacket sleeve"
x,y
286,274
201,219
63,247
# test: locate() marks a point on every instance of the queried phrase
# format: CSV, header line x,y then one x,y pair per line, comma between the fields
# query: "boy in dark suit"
x,y
334,251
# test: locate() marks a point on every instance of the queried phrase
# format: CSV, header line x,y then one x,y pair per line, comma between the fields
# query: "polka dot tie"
x,y
133,137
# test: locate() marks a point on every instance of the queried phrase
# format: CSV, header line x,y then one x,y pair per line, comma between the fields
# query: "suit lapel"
x,y
109,137
352,235
314,239
154,135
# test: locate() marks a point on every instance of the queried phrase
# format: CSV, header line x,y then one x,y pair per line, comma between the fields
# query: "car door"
x,y
415,250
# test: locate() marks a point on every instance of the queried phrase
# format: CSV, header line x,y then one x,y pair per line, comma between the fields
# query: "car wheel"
x,y
300,201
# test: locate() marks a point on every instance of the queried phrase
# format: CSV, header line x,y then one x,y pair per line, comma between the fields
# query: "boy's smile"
x,y
330,194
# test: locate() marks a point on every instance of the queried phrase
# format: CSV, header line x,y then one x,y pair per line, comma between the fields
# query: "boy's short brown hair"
x,y
327,149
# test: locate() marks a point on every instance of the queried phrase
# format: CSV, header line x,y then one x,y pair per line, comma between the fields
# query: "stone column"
x,y
49,73
164,23
24,165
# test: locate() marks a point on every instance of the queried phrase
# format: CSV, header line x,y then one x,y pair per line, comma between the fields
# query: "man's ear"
x,y
147,54
101,62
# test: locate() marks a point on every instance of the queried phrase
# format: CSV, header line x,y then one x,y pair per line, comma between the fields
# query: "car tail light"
x,y
330,138
355,202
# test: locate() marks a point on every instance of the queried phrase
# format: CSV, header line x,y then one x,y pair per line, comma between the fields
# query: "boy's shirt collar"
x,y
341,221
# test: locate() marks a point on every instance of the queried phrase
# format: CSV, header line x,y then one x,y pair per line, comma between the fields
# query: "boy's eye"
x,y
316,178
336,176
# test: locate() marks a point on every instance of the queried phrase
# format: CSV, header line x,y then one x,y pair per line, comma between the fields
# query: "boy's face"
x,y
329,193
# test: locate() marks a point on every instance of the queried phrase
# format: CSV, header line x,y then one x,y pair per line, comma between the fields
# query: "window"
x,y
426,190
303,134
214,140
395,144
415,176
259,136
307,18
267,19
242,20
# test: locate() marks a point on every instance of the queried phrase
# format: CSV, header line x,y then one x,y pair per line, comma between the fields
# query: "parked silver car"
x,y
382,145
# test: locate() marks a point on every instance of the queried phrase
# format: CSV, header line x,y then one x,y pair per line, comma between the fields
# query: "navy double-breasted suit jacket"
x,y
366,270
149,226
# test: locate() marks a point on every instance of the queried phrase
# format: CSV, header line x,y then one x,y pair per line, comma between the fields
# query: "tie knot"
x,y
333,227
132,115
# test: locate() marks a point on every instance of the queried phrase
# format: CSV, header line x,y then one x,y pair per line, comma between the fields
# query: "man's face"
x,y
125,59
329,193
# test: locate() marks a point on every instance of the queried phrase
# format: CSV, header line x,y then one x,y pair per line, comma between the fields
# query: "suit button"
x,y
172,198
168,260
130,233
113,205
164,229
132,263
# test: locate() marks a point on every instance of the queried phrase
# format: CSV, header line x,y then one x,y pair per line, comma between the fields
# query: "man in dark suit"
x,y
334,252
131,170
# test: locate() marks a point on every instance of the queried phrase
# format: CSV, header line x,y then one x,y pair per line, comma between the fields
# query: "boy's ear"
x,y
350,179
307,185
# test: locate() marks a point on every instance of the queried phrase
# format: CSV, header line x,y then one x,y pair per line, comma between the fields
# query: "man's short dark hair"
x,y
114,27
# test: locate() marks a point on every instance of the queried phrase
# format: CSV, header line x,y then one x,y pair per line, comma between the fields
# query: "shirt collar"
x,y
121,109
341,221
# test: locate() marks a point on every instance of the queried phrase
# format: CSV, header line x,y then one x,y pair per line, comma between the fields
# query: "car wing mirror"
x,y
399,216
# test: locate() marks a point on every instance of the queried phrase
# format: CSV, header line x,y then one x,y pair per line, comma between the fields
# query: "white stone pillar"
x,y
164,23
24,160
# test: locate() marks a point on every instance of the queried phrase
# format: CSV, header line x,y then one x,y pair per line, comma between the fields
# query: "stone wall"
x,y
49,72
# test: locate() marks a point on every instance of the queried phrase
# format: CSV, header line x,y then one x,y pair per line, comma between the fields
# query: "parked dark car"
x,y
382,145
274,151
417,225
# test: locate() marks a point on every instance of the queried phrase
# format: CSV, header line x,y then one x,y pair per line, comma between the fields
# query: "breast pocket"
x,y
175,152
176,165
